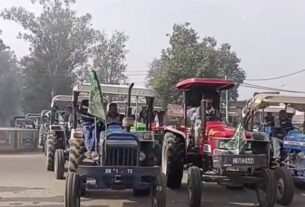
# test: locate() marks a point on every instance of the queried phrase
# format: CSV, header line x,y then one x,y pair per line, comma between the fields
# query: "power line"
x,y
277,77
247,85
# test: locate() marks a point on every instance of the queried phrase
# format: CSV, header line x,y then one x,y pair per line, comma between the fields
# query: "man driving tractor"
x,y
282,125
211,115
113,116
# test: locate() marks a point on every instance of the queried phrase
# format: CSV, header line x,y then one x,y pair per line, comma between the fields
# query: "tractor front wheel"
x,y
72,191
159,191
285,186
194,185
59,167
266,188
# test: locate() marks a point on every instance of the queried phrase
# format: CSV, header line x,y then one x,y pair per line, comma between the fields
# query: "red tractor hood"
x,y
220,129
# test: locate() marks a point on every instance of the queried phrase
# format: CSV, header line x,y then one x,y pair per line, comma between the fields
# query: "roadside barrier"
x,y
18,139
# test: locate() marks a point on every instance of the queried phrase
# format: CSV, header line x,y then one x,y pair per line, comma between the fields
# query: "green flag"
x,y
96,107
238,142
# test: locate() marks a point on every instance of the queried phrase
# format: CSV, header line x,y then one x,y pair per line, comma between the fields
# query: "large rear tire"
x,y
194,185
173,150
266,188
59,162
74,155
50,150
285,186
72,191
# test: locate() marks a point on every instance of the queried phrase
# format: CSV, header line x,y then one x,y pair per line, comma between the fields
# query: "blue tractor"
x,y
126,157
294,155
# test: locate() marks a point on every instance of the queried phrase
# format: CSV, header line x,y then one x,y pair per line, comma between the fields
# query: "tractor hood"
x,y
220,129
116,132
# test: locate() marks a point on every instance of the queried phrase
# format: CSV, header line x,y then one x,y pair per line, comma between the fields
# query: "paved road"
x,y
24,182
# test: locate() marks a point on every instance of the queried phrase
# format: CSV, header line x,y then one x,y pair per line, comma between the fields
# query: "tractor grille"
x,y
120,156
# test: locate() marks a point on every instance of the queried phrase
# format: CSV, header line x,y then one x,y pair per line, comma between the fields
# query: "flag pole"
x,y
95,137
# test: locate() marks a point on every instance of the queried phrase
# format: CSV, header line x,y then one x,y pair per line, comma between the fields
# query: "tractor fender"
x,y
174,130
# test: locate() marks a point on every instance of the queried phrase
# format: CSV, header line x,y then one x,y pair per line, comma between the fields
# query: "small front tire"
x,y
266,188
194,185
72,191
285,186
59,164
159,191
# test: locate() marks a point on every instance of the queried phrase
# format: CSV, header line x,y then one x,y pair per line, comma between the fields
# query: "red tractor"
x,y
201,145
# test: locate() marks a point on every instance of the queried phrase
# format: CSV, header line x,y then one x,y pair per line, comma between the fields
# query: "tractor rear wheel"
x,y
285,186
50,150
59,167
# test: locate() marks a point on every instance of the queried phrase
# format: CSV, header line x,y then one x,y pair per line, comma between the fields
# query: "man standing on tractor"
x,y
282,125
88,129
113,116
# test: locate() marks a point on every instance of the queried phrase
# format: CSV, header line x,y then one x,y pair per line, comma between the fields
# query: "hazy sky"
x,y
268,36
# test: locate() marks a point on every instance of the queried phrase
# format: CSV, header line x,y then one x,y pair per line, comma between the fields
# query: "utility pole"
x,y
227,103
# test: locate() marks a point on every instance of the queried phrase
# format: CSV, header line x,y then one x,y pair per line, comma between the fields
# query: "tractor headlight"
x,y
142,156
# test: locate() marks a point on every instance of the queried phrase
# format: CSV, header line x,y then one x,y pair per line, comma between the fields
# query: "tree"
x,y
60,45
189,57
109,57
10,87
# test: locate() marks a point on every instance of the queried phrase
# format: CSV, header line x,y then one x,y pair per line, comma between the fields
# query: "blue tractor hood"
x,y
295,140
117,132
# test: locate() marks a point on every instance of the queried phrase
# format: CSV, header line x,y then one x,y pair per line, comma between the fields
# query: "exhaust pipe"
x,y
129,100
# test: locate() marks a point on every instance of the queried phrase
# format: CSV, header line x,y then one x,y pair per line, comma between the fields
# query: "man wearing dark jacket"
x,y
282,125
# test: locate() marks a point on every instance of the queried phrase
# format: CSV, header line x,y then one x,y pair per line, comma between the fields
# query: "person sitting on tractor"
x,y
269,119
142,115
113,116
211,113
282,125
88,128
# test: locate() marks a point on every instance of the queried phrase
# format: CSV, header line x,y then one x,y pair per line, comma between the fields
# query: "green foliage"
x,y
10,86
109,57
60,45
189,57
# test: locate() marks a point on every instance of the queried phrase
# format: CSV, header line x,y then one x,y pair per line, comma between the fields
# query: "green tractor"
x,y
58,134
